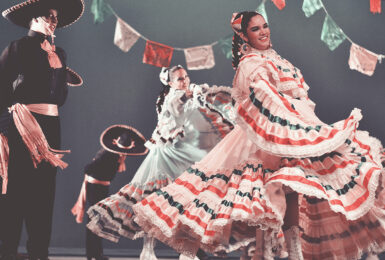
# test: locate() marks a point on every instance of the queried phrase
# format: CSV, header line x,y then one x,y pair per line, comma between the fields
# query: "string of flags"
x,y
360,59
202,57
158,54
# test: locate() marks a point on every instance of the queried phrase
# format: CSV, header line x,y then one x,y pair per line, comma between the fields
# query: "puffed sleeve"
x,y
273,122
8,73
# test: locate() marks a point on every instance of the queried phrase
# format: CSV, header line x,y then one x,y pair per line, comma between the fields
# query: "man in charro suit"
x,y
33,84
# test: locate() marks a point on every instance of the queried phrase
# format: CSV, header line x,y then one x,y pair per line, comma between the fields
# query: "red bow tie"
x,y
53,59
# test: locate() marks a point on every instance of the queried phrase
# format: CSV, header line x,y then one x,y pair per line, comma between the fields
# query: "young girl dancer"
x,y
189,125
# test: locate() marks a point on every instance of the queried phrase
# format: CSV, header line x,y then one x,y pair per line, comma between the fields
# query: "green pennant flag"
x,y
100,10
226,45
331,34
262,10
309,7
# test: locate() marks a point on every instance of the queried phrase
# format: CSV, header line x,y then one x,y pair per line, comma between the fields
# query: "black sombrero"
x,y
73,79
123,140
69,11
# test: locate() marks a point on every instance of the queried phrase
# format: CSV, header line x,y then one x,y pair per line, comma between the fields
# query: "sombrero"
x,y
73,79
69,11
124,140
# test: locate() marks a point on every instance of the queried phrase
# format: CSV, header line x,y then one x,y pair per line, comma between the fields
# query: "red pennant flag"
x,y
280,4
157,54
375,6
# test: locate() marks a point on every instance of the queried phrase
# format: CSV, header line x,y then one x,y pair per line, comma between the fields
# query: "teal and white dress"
x,y
187,129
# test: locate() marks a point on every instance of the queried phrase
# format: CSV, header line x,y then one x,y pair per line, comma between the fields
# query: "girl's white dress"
x,y
187,129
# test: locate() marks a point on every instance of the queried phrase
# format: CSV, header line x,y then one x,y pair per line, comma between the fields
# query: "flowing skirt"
x,y
112,217
238,188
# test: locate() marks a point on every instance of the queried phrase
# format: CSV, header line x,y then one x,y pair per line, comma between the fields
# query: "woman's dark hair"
x,y
237,40
166,89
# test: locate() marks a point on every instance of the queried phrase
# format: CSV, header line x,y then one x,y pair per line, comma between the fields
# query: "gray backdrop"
x,y
119,88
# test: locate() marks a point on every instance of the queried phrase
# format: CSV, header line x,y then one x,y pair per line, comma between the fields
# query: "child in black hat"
x,y
190,123
118,141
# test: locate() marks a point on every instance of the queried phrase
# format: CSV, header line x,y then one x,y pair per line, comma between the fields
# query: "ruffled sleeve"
x,y
272,120
215,104
170,120
218,97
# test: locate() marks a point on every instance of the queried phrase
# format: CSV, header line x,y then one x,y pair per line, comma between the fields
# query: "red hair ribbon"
x,y
280,4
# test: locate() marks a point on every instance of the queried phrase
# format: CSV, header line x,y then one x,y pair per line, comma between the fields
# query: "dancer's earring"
x,y
245,48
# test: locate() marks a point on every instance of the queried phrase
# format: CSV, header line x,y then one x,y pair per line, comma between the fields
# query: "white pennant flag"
x,y
362,60
125,36
261,9
200,57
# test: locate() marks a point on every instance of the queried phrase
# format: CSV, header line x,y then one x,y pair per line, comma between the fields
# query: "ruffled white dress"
x,y
187,129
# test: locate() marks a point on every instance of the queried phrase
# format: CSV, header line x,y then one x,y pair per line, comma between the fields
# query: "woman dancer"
x,y
251,180
189,125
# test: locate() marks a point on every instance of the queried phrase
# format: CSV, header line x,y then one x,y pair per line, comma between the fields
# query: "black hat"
x,y
69,11
73,79
123,140
104,164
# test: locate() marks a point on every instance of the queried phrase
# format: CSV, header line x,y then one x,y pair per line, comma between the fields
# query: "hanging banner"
x,y
100,10
125,36
226,45
331,34
309,7
362,60
157,54
280,4
375,6
261,9
200,57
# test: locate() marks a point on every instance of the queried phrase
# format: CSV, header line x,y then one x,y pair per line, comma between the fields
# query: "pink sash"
x,y
4,156
78,208
33,138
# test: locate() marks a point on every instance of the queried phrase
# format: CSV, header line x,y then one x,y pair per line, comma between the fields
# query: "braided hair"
x,y
237,40
166,88
162,95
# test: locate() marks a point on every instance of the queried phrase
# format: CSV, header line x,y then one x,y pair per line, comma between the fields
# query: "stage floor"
x,y
381,257
125,258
